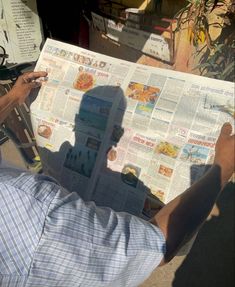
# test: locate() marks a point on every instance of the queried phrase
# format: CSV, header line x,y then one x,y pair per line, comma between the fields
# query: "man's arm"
x,y
19,92
182,217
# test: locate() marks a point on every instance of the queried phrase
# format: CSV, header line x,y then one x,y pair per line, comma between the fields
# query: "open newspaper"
x,y
122,134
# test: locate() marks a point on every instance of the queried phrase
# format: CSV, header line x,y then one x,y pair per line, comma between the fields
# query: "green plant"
x,y
195,16
217,60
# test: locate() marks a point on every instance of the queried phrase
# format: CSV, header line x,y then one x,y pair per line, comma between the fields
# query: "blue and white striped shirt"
x,y
51,237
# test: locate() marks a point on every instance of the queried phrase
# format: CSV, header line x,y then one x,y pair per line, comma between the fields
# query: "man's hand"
x,y
19,92
25,84
225,153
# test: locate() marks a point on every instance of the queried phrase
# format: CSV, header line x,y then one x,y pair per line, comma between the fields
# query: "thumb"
x,y
226,129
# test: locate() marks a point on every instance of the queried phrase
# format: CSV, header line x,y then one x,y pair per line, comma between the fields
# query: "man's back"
x,y
50,237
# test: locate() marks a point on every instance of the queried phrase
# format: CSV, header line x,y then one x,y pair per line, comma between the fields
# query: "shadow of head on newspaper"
x,y
90,152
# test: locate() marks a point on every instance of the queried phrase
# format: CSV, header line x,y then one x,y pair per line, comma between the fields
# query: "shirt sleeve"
x,y
94,246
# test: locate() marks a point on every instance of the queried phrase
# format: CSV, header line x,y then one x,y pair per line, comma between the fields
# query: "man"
x,y
50,237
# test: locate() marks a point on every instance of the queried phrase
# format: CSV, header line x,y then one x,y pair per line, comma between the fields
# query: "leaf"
x,y
204,65
205,56
219,47
215,4
210,74
179,15
229,70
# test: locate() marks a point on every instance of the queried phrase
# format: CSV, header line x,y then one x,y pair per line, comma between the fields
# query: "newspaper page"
x,y
125,135
20,30
171,124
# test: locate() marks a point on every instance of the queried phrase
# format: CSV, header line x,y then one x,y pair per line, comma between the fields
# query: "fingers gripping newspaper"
x,y
124,135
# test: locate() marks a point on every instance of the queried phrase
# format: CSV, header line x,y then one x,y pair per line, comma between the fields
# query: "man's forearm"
x,y
7,103
183,216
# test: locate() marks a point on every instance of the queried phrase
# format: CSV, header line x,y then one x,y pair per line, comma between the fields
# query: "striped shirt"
x,y
51,237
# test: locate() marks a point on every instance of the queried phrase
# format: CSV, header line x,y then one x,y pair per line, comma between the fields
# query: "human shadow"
x,y
94,157
210,261
210,254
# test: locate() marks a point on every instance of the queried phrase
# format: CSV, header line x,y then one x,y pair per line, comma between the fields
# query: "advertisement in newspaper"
x,y
127,136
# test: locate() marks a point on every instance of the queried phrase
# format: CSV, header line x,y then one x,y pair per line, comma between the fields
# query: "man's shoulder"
x,y
37,186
